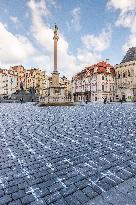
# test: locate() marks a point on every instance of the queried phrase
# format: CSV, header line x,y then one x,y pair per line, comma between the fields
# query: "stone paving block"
x,y
82,184
72,200
124,174
68,190
35,181
16,202
19,194
55,187
104,186
5,199
52,197
60,202
23,185
27,199
131,169
125,187
117,180
81,196
132,194
90,192
97,201
96,189
49,183
38,203
1,193
1,187
119,199
11,189
12,182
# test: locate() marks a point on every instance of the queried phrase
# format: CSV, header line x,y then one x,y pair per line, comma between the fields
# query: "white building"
x,y
12,84
3,83
94,83
8,83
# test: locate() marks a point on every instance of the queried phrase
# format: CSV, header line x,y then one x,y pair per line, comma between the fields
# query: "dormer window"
x,y
124,75
108,70
95,69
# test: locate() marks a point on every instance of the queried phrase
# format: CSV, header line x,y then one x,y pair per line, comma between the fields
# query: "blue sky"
x,y
89,31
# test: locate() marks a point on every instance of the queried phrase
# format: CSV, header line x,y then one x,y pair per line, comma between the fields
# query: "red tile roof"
x,y
102,68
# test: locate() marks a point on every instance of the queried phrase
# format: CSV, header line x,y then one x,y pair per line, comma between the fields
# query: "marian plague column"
x,y
55,92
55,74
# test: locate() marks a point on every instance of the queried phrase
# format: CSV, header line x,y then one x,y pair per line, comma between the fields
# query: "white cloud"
x,y
44,35
75,21
123,5
14,19
14,49
88,57
98,43
93,46
130,43
126,19
54,3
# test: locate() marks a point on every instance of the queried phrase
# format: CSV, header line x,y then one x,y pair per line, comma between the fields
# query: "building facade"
x,y
126,77
67,86
20,72
126,81
8,83
38,79
12,79
95,83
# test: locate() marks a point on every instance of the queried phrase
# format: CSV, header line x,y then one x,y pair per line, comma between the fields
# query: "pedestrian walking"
x,y
121,100
21,100
105,100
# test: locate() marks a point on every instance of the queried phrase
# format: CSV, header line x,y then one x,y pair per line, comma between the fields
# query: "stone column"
x,y
55,38
55,74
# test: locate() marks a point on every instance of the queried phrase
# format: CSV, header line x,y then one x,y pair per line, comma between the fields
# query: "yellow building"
x,y
38,79
33,78
63,82
67,85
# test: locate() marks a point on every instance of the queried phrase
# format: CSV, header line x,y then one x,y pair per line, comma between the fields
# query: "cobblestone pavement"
x,y
83,155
